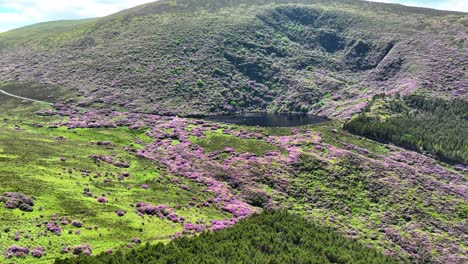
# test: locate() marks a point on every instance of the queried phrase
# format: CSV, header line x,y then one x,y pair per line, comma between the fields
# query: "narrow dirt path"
x,y
24,98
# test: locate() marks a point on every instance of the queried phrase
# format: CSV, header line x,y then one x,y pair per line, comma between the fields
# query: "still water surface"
x,y
268,120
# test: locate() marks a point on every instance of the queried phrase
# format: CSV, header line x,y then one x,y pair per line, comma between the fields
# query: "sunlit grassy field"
x,y
54,167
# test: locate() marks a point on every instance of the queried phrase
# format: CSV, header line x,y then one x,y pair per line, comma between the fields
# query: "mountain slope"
x,y
199,57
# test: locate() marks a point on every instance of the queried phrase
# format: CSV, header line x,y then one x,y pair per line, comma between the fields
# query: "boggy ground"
x,y
209,176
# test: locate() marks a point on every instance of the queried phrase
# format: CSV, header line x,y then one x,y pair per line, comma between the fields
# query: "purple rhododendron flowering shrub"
x,y
37,252
84,249
76,223
162,211
120,213
53,228
15,251
221,224
190,228
13,200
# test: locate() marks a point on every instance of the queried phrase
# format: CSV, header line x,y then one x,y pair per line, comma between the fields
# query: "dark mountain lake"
x,y
268,120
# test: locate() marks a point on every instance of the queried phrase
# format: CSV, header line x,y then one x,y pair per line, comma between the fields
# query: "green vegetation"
x,y
217,141
49,33
269,237
360,187
333,134
14,111
54,166
436,126
91,152
191,57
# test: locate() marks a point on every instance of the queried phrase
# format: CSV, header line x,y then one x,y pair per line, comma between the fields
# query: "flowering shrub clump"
x,y
190,228
162,211
111,160
65,250
173,218
54,228
82,249
16,237
16,251
77,223
37,252
221,224
237,208
120,213
18,200
150,209
102,200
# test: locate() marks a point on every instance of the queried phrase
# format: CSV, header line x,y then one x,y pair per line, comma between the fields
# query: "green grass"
x,y
49,32
339,137
16,112
30,163
217,141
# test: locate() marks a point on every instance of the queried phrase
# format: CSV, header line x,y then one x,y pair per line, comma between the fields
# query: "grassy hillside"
x,y
56,168
44,31
69,190
192,57
115,172
94,166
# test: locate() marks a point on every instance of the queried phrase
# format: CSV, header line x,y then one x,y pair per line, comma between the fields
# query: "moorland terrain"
x,y
103,154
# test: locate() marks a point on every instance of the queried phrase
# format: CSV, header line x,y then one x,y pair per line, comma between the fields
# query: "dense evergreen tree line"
x,y
269,237
435,126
